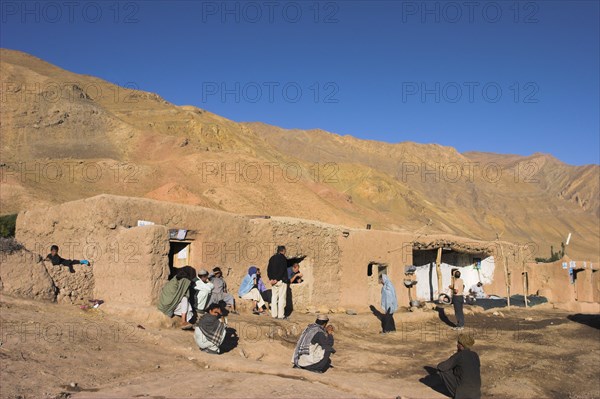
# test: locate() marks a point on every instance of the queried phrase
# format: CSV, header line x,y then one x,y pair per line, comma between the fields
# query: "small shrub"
x,y
7,225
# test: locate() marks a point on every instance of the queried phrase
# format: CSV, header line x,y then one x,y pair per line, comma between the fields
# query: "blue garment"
x,y
388,295
247,284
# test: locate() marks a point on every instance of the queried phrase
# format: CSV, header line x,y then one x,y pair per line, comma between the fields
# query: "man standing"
x,y
277,273
389,303
461,372
315,346
457,288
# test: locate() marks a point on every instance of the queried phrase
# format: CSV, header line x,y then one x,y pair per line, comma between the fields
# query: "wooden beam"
x,y
438,270
525,284
506,275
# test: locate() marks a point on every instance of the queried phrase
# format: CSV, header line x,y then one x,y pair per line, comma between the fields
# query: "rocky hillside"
x,y
66,136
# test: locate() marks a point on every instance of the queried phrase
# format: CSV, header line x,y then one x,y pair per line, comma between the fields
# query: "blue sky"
x,y
502,76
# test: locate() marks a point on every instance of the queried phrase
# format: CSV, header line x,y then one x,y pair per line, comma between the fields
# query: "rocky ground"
x,y
61,351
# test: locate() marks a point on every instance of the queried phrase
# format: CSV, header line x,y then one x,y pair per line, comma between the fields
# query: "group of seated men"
x,y
187,292
207,295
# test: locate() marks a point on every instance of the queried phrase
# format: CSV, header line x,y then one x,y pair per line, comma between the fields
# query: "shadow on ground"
x,y
592,320
434,381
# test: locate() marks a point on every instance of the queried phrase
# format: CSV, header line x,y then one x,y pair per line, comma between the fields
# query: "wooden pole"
x,y
525,288
438,269
506,275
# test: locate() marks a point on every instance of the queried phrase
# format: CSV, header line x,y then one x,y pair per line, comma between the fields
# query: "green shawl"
x,y
171,295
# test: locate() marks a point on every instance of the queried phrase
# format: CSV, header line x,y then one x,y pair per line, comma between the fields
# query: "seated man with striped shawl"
x,y
315,346
210,331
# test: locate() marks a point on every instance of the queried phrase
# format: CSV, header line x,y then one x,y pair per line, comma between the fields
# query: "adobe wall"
x,y
363,246
130,264
552,281
138,271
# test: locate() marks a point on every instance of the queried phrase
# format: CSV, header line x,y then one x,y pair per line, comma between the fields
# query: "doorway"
x,y
179,255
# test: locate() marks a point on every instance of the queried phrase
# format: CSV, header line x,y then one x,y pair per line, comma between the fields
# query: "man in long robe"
x,y
315,346
389,303
174,296
249,291
204,288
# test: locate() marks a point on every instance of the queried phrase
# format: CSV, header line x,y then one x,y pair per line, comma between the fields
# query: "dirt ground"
x,y
61,351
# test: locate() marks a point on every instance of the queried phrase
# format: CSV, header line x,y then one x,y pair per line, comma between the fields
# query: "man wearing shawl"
x,y
204,288
210,331
220,292
461,372
315,346
389,303
249,290
174,297
264,292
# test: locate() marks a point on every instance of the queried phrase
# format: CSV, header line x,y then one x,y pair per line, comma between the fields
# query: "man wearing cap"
x,y
315,346
278,276
219,291
461,372
204,288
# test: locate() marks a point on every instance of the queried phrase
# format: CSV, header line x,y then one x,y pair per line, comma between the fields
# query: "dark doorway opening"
x,y
179,255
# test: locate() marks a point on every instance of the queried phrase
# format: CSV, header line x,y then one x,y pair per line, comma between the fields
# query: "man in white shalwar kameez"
x,y
204,288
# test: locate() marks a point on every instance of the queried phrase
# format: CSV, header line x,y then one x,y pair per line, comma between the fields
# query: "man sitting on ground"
x,y
219,292
461,372
249,290
174,296
204,288
476,291
211,330
56,260
315,346
264,292
294,274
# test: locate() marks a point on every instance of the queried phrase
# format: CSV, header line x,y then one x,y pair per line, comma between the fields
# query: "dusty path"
x,y
46,347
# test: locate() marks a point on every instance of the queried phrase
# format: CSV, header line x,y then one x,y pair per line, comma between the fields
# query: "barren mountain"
x,y
66,136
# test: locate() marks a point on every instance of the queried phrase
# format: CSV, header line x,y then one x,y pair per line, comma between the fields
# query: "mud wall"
x,y
364,246
137,273
552,281
130,263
